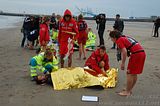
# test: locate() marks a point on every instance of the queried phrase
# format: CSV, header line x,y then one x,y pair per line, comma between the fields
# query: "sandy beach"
x,y
16,89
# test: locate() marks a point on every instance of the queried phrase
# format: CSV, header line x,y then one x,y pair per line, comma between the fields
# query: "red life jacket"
x,y
67,26
82,25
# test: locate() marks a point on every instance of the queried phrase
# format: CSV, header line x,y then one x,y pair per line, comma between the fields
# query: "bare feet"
x,y
124,93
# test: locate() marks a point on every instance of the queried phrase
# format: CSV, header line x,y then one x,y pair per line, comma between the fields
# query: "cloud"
x,y
110,7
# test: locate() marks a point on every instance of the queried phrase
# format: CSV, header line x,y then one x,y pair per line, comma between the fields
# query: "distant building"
x,y
142,17
154,17
131,17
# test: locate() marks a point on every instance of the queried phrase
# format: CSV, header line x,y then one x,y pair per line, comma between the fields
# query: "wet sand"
x,y
16,89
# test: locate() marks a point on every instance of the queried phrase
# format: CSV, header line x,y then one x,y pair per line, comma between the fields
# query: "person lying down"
x,y
77,77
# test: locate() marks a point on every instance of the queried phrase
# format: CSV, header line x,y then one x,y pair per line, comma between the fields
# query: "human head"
x,y
32,18
102,16
48,54
58,17
101,64
117,16
80,17
67,15
41,79
45,19
102,50
114,35
53,15
89,29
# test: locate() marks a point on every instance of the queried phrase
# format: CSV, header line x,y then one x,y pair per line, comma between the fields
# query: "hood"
x,y
68,12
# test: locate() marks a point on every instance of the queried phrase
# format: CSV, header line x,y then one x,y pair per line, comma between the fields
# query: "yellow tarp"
x,y
66,78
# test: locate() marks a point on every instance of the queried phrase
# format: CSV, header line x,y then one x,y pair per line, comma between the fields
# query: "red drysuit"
x,y
64,27
44,34
93,62
137,57
82,26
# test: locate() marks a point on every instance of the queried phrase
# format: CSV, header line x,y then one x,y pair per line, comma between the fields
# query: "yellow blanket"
x,y
66,78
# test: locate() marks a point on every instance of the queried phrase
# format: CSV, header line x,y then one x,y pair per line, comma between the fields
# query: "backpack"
x,y
33,35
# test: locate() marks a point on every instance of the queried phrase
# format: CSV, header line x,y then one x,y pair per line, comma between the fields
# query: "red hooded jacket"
x,y
69,26
43,33
66,26
93,62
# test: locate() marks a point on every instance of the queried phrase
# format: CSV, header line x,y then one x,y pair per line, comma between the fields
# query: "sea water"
x,y
9,21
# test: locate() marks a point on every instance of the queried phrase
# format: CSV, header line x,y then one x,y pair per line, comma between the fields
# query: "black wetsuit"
x,y
101,23
157,25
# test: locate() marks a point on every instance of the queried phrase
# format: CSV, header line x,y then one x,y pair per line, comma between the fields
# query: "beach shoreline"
x,y
16,89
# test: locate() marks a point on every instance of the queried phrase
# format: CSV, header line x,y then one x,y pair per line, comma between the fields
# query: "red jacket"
x,y
69,26
82,26
128,43
43,33
93,61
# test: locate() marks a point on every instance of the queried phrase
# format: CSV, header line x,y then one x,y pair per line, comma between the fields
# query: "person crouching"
x,y
98,62
44,63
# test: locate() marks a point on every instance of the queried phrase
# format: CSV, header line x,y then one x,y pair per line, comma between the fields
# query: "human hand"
x,y
43,42
104,74
122,66
46,72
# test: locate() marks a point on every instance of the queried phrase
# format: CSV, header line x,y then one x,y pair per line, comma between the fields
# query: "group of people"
x,y
101,24
69,31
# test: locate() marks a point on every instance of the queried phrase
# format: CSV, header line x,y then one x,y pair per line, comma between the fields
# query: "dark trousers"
x,y
156,34
114,45
101,40
25,34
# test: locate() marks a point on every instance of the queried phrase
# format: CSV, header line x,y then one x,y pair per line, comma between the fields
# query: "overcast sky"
x,y
137,8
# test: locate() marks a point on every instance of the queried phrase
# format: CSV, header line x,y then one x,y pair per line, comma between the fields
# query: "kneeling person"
x,y
44,62
98,62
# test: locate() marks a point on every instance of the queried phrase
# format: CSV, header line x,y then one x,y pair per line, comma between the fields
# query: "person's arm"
x,y
115,25
124,56
59,33
94,64
86,30
106,67
97,22
75,28
122,26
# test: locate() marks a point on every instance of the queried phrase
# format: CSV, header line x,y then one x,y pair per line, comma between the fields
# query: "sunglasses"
x,y
67,16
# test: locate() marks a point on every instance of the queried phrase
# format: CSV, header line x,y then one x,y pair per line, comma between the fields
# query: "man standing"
x,y
68,32
53,24
118,25
26,29
129,46
157,25
101,23
44,33
82,28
